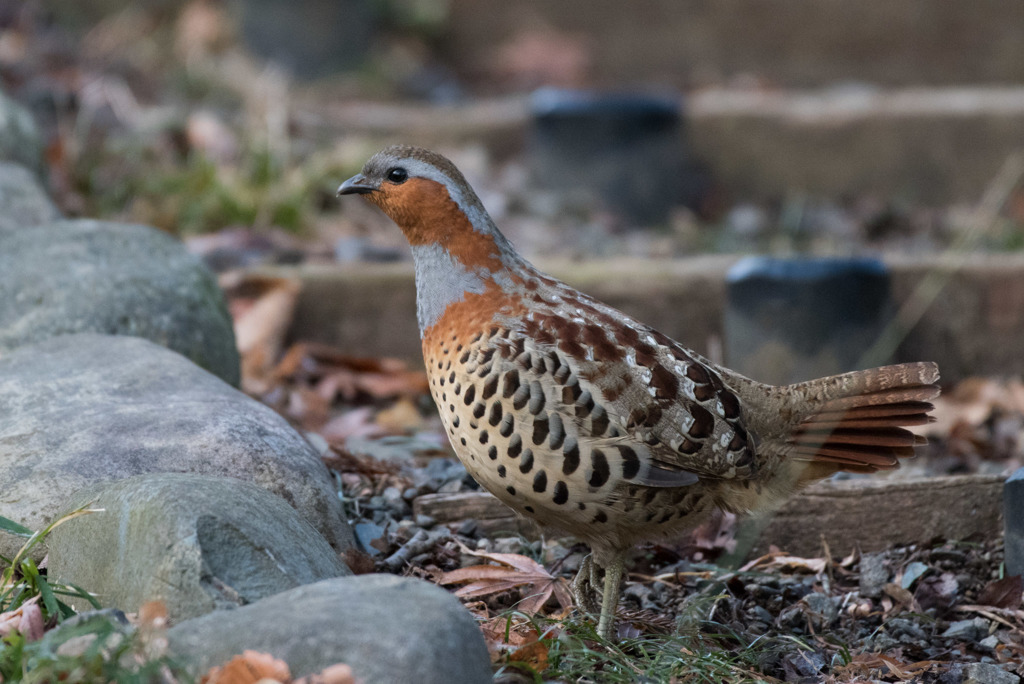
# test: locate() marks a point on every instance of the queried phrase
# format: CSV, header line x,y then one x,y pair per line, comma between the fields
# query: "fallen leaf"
x,y
533,655
1004,593
261,328
27,619
514,570
248,668
937,592
402,417
901,595
781,561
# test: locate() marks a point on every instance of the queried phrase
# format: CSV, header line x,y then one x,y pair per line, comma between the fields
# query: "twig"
x,y
421,542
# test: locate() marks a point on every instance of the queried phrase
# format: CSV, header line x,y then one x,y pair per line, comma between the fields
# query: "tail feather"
x,y
858,420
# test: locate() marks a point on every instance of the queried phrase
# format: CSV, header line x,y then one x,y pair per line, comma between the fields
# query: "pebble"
x,y
906,630
990,642
424,520
822,610
984,673
873,574
967,630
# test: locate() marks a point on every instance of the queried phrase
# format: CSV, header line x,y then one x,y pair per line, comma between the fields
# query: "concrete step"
x,y
495,44
937,146
974,326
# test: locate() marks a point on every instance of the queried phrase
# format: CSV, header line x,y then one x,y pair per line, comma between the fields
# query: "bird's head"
x,y
431,202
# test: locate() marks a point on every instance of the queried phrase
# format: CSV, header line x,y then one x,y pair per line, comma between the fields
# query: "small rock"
x,y
424,520
507,545
451,487
366,533
640,594
874,574
984,673
906,630
880,642
759,613
394,502
822,610
967,630
954,675
990,642
388,629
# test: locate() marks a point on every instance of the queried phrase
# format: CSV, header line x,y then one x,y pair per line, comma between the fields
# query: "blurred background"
x,y
659,129
636,151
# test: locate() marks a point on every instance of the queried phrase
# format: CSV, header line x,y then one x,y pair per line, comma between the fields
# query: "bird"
x,y
586,420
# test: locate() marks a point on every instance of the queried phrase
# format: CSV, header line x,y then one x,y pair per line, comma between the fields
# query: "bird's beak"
x,y
356,185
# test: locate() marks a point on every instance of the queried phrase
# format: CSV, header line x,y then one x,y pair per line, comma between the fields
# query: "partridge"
x,y
587,420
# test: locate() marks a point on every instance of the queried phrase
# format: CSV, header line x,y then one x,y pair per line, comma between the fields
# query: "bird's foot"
x,y
584,587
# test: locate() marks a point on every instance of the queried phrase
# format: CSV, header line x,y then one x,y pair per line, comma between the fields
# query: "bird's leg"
x,y
610,599
585,584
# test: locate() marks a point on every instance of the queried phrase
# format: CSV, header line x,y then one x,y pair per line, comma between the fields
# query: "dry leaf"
x,y
513,571
780,561
902,596
534,655
400,418
261,328
1004,593
248,668
27,619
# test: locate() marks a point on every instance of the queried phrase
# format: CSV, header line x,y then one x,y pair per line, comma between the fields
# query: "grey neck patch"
x,y
440,281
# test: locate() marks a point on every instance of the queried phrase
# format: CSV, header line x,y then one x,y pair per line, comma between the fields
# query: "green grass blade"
x,y
8,525
49,600
78,592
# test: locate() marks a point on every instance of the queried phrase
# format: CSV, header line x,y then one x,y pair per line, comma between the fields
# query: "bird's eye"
x,y
398,175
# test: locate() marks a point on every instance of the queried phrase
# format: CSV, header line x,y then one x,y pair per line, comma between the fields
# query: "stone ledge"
x,y
973,328
865,514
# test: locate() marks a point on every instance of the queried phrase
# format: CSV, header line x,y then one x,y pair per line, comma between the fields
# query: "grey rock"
x,y
990,642
23,202
195,542
983,673
92,276
20,140
974,629
81,409
366,533
906,630
387,628
874,574
822,610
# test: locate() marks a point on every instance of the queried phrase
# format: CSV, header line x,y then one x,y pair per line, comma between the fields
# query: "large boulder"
x,y
23,202
94,276
20,140
386,628
76,410
193,541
